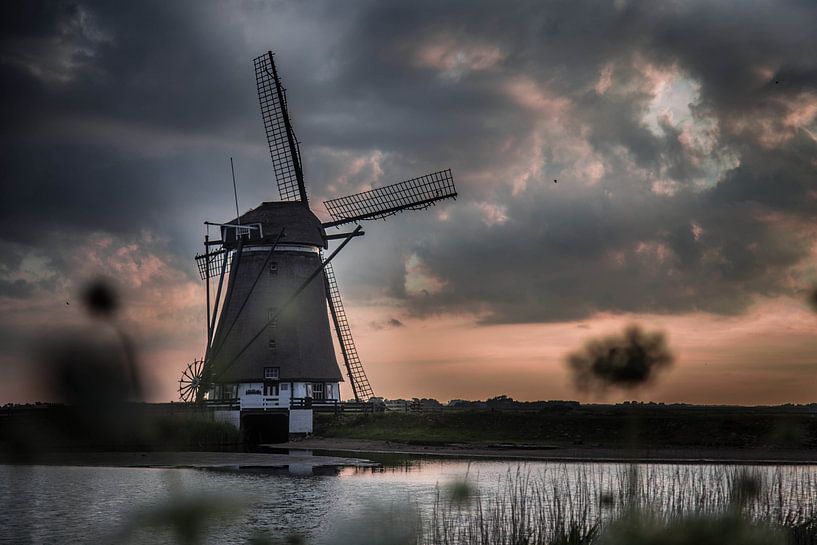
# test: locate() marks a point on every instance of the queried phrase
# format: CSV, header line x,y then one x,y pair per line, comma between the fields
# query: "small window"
x,y
271,389
273,269
272,344
317,390
271,373
285,386
252,231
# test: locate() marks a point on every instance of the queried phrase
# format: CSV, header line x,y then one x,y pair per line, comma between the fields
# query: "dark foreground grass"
x,y
561,507
24,438
721,505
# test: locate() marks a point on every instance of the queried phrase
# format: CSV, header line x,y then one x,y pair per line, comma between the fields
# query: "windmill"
x,y
269,337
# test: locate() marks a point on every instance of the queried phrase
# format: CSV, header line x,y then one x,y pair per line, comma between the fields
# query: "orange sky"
x,y
767,356
764,357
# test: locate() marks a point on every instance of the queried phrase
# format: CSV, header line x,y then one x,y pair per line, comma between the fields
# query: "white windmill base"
x,y
300,420
293,400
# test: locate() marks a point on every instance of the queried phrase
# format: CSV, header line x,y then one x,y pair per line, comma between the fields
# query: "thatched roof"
x,y
302,226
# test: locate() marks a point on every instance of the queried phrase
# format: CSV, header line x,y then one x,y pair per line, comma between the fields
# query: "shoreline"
x,y
328,454
248,461
363,447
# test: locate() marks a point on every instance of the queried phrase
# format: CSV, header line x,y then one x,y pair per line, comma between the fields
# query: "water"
x,y
43,504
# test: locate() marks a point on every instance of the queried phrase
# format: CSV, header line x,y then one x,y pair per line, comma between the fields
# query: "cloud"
x,y
160,306
702,207
391,323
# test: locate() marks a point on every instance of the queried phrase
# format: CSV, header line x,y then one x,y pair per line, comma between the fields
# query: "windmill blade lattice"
x,y
209,264
191,380
361,388
283,146
414,194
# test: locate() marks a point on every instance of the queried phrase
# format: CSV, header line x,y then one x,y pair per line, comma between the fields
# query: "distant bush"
x,y
23,436
190,433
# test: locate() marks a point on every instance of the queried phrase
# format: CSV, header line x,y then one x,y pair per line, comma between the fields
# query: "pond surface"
x,y
45,504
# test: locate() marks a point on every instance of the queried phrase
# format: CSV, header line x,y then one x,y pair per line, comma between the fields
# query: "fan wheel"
x,y
191,380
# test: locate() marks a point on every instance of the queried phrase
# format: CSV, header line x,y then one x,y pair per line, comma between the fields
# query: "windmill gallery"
x,y
272,296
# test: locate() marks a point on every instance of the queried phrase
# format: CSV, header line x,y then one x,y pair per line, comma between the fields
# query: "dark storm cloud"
x,y
15,288
566,264
712,242
101,123
119,119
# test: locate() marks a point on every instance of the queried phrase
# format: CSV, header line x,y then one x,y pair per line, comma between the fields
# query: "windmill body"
x,y
270,359
294,357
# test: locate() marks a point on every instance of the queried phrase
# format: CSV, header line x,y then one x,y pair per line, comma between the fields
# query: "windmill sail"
x,y
209,263
283,146
354,368
269,347
414,194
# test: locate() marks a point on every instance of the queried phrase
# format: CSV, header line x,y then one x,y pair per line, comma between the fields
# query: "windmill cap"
x,y
300,224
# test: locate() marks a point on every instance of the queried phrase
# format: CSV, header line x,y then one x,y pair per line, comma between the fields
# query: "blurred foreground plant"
x,y
627,361
375,524
727,529
187,516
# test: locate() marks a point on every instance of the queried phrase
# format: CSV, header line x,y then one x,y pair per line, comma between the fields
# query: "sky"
x,y
616,162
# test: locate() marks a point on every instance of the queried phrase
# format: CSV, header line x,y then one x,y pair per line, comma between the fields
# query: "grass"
x,y
586,504
727,505
190,433
596,426
23,438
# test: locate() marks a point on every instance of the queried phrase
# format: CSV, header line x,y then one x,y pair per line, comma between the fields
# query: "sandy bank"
x,y
199,460
361,448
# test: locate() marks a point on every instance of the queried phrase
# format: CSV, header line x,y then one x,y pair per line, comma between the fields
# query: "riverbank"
x,y
383,450
316,454
566,433
595,432
199,460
